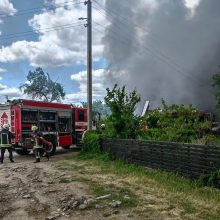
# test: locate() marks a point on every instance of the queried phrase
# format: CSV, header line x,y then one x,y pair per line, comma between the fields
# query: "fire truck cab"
x,y
61,124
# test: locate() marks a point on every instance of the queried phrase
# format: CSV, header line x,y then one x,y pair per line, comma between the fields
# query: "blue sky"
x,y
58,45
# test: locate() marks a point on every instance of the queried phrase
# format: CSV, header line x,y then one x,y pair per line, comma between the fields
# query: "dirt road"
x,y
41,191
34,191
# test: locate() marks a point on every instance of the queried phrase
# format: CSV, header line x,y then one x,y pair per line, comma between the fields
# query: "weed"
x,y
64,180
188,207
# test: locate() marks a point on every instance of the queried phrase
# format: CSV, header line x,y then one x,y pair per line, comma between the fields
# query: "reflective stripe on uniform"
x,y
38,155
7,144
37,145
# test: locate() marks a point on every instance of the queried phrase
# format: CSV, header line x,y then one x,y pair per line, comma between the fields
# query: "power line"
x,y
39,9
27,33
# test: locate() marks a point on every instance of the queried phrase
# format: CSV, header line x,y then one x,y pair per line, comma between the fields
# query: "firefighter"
x,y
38,143
5,142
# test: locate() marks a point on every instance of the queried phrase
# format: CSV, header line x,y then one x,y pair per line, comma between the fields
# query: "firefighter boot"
x,y
37,160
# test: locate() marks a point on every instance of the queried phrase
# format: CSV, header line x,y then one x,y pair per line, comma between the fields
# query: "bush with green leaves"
x,y
122,122
175,123
92,142
208,139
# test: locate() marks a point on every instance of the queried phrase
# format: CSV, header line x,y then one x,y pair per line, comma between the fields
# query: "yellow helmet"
x,y
34,128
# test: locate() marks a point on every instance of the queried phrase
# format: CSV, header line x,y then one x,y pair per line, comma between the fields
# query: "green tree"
x,y
122,123
84,104
98,106
216,85
41,86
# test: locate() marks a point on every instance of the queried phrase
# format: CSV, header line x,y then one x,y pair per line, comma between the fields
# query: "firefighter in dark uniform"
x,y
38,143
5,142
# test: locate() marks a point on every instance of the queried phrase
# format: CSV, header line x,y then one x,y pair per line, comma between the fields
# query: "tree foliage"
x,y
41,86
216,85
98,106
176,123
122,122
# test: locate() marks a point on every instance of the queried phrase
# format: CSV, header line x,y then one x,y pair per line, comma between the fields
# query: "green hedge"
x,y
92,142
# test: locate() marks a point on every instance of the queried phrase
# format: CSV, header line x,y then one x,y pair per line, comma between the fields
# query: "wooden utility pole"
x,y
89,63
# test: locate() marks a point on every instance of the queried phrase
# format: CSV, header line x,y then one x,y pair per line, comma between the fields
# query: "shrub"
x,y
208,140
92,142
175,123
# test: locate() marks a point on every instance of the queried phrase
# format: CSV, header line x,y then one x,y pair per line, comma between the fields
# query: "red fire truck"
x,y
61,124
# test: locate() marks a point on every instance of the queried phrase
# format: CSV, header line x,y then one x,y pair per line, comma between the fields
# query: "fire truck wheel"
x,y
51,150
22,152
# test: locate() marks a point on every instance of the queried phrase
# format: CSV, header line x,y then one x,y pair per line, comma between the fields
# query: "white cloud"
x,y
2,87
7,8
99,90
2,70
11,92
61,47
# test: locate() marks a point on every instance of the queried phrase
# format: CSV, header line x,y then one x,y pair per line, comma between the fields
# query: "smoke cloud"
x,y
164,49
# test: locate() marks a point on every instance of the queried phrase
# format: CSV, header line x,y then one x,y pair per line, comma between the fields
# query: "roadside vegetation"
x,y
142,192
169,193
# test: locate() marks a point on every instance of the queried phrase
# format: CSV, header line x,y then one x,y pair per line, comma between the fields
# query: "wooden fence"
x,y
189,160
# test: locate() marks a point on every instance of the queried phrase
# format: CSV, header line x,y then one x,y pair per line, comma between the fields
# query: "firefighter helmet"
x,y
102,126
34,128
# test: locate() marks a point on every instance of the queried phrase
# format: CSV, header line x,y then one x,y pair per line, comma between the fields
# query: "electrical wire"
x,y
39,9
27,33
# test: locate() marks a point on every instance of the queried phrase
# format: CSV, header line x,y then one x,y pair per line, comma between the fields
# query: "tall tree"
x,y
41,86
123,122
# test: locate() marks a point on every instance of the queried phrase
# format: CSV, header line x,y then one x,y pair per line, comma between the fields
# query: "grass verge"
x,y
195,202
